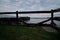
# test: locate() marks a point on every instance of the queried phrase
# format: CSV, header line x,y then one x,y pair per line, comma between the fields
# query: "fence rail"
x,y
29,12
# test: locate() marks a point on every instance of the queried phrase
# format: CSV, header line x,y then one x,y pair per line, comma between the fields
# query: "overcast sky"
x,y
28,5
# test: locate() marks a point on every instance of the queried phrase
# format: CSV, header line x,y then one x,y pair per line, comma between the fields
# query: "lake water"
x,y
40,20
38,16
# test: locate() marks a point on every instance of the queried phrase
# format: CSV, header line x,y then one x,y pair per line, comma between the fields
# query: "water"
x,y
37,16
40,20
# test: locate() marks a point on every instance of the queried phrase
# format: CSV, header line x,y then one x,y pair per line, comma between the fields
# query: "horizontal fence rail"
x,y
29,12
26,12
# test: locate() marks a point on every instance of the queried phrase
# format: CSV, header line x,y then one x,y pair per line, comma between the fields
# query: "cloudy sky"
x,y
28,5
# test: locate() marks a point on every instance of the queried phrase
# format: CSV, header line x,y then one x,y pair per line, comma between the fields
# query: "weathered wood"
x,y
44,21
52,17
25,12
29,12
33,12
17,17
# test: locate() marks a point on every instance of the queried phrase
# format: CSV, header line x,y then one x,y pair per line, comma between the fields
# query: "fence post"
x,y
17,17
52,22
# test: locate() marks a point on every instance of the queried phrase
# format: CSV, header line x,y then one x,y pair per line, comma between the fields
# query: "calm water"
x,y
39,20
37,16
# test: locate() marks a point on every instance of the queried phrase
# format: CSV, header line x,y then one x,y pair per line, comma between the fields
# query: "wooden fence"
x,y
33,12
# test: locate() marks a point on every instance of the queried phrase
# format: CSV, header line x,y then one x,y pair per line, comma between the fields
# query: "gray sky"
x,y
28,5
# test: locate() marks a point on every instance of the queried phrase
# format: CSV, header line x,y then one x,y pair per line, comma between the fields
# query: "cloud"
x,y
25,5
50,4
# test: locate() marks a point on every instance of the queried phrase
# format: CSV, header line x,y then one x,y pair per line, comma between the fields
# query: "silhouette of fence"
x,y
32,12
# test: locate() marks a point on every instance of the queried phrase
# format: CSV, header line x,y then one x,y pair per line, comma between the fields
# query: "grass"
x,y
9,32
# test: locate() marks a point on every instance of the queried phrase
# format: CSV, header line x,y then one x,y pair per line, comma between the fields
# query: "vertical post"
x,y
17,17
52,22
52,18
